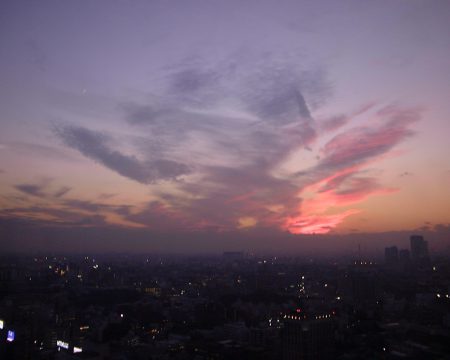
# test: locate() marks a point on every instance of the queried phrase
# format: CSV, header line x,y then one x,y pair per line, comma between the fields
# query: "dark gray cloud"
x,y
83,205
57,216
275,96
95,207
62,191
42,189
66,212
95,145
32,189
270,89
192,80
148,114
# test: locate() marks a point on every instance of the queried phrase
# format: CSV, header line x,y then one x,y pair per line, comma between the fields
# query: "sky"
x,y
215,125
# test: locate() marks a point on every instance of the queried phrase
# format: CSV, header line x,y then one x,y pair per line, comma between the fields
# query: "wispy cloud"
x,y
62,191
95,145
31,189
223,132
337,179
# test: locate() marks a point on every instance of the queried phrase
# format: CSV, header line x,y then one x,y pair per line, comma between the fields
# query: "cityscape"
x,y
235,305
224,179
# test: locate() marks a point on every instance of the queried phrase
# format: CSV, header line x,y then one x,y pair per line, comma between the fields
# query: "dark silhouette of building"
x,y
404,259
419,249
309,338
391,255
404,256
360,285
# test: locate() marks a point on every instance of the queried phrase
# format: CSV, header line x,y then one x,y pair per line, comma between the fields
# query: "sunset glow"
x,y
185,119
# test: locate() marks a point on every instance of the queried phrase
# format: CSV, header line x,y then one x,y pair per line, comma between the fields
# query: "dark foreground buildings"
x,y
308,338
233,306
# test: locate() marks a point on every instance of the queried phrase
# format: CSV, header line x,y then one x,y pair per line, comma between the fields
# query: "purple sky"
x,y
210,125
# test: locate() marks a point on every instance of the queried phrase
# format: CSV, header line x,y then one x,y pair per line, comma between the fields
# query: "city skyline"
x,y
194,126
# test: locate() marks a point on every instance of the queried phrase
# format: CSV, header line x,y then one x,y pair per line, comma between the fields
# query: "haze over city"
x,y
207,126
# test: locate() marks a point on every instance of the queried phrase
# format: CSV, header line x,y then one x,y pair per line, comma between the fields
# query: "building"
x,y
360,284
308,338
419,249
404,256
391,255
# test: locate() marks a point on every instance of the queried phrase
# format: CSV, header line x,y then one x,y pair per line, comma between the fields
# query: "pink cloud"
x,y
316,224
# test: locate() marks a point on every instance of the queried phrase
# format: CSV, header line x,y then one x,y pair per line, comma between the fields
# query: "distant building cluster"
x,y
418,255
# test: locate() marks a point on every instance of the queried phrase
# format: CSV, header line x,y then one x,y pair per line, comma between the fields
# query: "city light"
x,y
11,336
62,344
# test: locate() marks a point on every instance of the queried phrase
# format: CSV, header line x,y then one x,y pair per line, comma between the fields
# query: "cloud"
x,y
68,212
337,179
226,131
32,189
156,216
236,158
316,224
83,205
277,100
361,144
357,146
53,216
62,191
137,114
266,86
45,151
233,154
95,145
193,80
105,196
335,122
344,190
42,189
96,207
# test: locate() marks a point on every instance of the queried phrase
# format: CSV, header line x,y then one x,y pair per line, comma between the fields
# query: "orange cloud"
x,y
316,224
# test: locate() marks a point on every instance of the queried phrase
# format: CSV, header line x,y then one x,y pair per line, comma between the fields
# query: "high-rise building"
x,y
309,338
404,257
419,249
391,255
360,284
